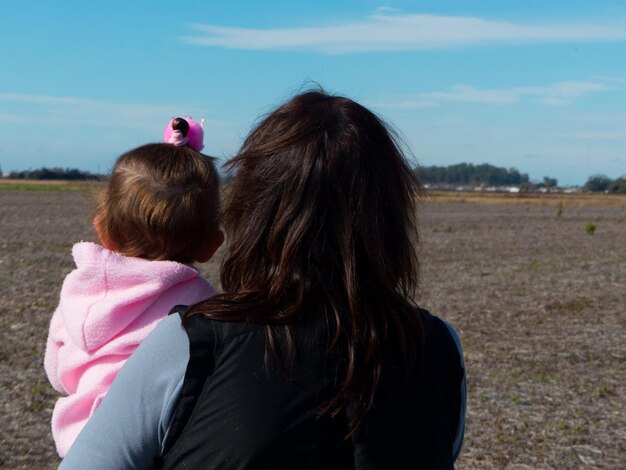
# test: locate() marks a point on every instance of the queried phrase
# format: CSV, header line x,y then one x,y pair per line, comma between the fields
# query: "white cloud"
x,y
13,119
469,94
46,100
384,32
564,92
71,111
386,9
559,93
597,135
616,80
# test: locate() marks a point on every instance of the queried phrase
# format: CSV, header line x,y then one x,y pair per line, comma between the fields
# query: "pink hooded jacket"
x,y
108,305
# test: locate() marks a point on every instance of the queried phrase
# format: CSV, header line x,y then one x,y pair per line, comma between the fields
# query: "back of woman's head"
x,y
320,223
161,202
322,193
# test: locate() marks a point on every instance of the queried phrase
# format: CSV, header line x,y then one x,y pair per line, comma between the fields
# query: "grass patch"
x,y
533,266
568,428
576,305
559,210
603,391
37,185
555,199
547,378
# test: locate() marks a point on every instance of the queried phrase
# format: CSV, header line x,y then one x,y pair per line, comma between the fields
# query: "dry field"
x,y
539,305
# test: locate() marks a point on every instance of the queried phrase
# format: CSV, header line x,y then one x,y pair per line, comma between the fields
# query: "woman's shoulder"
x,y
444,354
437,331
441,347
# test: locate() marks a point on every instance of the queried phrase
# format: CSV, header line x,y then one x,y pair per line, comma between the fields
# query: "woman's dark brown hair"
x,y
160,202
320,220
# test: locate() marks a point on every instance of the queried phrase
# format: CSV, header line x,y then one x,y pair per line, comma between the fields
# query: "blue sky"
x,y
536,85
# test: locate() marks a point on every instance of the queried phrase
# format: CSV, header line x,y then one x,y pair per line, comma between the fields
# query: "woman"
x,y
315,355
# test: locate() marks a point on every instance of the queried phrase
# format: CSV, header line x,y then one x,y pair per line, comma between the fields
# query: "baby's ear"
x,y
211,247
97,225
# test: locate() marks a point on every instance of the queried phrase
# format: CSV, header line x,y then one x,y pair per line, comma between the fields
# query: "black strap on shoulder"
x,y
202,339
180,309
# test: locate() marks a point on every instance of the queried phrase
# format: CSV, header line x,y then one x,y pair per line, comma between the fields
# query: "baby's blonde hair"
x,y
160,202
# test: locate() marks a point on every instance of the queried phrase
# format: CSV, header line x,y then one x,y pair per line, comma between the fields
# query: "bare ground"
x,y
539,305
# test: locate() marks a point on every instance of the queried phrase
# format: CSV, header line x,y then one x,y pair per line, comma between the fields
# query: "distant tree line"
x,y
71,174
604,184
470,174
459,174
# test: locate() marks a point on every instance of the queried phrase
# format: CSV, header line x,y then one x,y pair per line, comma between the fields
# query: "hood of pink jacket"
x,y
108,291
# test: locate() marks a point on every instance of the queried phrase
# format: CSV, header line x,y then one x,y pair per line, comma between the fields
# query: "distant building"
x,y
573,190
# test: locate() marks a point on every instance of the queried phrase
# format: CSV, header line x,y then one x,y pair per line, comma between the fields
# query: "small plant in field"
x,y
559,210
533,266
602,392
513,397
547,378
37,400
575,306
590,228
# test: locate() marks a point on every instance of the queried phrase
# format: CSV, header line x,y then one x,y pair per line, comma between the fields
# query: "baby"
x,y
155,215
